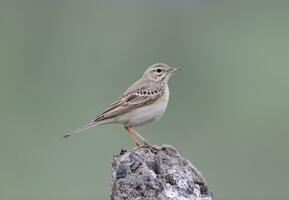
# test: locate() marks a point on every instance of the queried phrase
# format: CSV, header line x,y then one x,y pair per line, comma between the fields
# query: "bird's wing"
x,y
139,94
134,97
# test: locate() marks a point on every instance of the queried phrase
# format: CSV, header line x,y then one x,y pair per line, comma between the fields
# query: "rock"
x,y
157,174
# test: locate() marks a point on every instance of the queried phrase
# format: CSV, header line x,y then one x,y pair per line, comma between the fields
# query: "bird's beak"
x,y
174,69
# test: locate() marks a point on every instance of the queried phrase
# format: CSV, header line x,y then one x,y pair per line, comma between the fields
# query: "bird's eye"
x,y
159,70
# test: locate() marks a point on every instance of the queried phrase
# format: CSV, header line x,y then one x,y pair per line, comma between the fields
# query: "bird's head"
x,y
159,72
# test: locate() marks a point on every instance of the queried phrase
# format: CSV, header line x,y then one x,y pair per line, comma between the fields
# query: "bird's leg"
x,y
143,139
139,136
131,133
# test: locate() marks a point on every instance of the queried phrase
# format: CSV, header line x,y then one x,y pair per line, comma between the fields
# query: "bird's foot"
x,y
152,147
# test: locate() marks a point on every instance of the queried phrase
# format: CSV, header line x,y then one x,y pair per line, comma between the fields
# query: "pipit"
x,y
143,102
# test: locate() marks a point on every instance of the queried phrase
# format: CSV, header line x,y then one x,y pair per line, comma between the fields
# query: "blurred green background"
x,y
63,61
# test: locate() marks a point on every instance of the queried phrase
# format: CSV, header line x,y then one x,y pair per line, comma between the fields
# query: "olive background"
x,y
62,62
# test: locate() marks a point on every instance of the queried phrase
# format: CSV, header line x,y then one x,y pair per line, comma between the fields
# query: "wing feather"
x,y
131,100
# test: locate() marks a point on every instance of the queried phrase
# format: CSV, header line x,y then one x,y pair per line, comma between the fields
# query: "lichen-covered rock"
x,y
157,174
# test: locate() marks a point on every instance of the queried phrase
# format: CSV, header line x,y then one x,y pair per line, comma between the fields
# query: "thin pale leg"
x,y
151,146
131,134
139,136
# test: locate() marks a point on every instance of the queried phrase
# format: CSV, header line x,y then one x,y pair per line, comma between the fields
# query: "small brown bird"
x,y
143,102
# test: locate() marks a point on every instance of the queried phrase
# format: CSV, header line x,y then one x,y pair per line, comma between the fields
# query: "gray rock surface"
x,y
157,174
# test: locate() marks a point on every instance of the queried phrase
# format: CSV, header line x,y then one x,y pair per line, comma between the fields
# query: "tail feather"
x,y
84,128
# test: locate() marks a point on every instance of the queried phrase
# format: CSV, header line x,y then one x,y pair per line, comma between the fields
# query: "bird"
x,y
145,101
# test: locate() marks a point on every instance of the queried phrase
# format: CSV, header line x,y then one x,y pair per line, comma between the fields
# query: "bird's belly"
x,y
143,115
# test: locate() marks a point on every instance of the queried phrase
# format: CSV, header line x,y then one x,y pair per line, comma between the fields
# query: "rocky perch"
x,y
157,174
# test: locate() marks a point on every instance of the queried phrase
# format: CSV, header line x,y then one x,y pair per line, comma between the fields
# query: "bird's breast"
x,y
148,113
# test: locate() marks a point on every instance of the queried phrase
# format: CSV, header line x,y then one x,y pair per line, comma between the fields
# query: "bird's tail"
x,y
84,128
